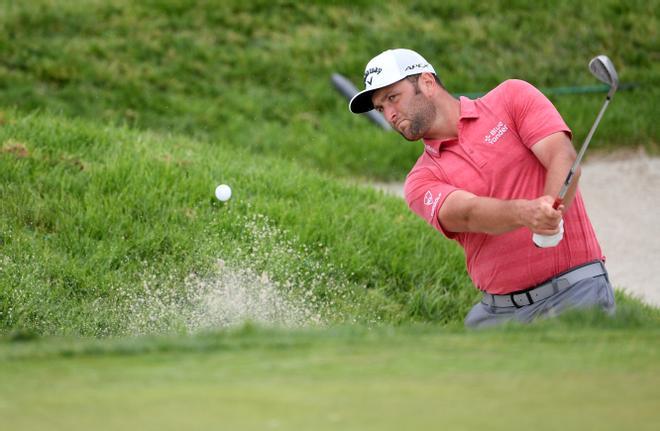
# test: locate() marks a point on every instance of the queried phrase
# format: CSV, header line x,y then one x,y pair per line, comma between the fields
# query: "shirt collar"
x,y
468,108
468,111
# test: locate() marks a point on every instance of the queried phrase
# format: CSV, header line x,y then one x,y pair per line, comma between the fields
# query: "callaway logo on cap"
x,y
384,69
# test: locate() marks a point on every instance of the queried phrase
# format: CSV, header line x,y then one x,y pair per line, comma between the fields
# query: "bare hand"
x,y
539,216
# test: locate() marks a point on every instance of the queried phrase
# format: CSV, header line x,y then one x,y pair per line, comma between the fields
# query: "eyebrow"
x,y
383,97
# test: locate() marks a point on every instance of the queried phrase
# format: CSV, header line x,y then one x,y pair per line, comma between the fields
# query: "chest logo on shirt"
x,y
496,133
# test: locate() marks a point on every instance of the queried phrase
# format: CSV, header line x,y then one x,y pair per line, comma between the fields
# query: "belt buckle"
x,y
530,301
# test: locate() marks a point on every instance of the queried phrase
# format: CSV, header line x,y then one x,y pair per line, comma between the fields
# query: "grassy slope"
x,y
256,74
99,225
90,214
544,378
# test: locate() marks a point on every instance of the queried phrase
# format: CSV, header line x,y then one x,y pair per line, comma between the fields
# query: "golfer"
x,y
487,178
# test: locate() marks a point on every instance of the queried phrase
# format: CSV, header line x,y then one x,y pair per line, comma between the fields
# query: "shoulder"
x,y
512,88
418,176
420,169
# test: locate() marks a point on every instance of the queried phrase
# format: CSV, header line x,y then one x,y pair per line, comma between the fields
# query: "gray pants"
x,y
588,293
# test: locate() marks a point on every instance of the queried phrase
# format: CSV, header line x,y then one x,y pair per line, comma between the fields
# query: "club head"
x,y
603,69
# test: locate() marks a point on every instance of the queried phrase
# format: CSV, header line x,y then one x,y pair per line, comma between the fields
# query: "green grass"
x,y
540,377
121,118
95,219
107,231
255,74
118,266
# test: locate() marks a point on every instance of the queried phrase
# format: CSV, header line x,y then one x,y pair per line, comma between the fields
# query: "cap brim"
x,y
361,102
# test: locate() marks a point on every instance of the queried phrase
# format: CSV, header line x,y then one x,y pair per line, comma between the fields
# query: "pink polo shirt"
x,y
492,157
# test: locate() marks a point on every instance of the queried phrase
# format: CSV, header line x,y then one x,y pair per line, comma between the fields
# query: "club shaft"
x,y
578,159
348,90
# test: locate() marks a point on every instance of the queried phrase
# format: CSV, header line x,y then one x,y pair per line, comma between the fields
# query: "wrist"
x,y
520,212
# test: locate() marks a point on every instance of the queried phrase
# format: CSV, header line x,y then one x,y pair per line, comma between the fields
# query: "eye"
x,y
392,97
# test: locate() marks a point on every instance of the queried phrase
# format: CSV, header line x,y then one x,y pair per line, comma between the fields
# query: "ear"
x,y
426,82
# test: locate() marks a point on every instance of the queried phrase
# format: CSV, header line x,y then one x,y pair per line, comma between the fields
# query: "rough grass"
x,y
119,118
108,231
119,269
256,74
100,225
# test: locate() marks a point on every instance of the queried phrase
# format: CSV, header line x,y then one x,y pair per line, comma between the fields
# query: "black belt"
x,y
546,289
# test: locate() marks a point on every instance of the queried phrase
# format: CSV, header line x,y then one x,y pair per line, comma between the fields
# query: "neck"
x,y
446,123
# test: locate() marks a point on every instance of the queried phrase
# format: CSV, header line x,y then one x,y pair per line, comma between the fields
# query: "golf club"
x,y
603,69
346,87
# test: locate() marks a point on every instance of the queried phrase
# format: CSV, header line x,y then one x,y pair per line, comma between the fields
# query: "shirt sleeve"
x,y
425,194
534,115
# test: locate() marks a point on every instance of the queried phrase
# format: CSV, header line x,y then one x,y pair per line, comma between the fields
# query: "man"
x,y
487,179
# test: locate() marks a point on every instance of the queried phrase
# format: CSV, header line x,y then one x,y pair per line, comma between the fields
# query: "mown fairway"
x,y
121,276
344,379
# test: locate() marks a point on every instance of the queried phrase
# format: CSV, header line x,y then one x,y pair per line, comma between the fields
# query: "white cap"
x,y
385,69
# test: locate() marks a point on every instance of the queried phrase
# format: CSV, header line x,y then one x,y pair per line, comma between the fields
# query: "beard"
x,y
422,115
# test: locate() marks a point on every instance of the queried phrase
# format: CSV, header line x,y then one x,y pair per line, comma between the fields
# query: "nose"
x,y
390,114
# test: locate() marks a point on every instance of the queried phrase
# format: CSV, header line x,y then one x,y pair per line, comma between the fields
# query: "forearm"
x,y
557,155
492,216
466,212
557,171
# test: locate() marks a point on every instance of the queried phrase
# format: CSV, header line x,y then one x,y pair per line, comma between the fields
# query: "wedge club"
x,y
603,69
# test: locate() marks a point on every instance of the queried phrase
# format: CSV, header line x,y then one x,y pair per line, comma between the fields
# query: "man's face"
x,y
406,108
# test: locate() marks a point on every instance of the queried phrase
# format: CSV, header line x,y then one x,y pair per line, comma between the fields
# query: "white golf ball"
x,y
223,192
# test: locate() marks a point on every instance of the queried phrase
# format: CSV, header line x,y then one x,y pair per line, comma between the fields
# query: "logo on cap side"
x,y
370,71
416,66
